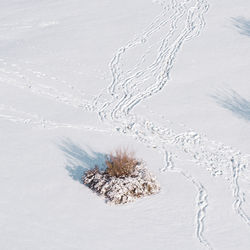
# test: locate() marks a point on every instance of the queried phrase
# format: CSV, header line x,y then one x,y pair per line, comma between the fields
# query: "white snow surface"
x,y
168,78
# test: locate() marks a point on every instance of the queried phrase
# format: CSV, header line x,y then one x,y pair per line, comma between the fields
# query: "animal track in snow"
x,y
11,74
184,21
35,121
128,89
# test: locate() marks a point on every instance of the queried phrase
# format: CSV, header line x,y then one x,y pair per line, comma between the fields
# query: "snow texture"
x,y
167,78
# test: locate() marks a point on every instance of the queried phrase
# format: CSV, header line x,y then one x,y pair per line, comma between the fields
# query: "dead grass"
x,y
121,164
124,180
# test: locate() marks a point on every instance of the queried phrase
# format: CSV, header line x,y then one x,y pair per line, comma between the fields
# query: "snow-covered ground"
x,y
169,79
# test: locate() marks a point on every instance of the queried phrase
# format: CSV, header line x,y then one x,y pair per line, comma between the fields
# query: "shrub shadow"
x,y
80,160
242,24
234,102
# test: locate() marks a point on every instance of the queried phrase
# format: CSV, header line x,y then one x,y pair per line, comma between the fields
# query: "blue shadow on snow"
x,y
80,160
232,101
242,24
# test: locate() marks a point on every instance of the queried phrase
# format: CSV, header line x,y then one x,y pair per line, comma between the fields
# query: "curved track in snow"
x,y
182,21
129,89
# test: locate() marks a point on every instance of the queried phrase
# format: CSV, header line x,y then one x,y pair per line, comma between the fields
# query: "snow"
x,y
123,189
80,78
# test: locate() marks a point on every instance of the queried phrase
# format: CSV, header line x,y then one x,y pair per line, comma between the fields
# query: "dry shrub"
x,y
121,164
124,180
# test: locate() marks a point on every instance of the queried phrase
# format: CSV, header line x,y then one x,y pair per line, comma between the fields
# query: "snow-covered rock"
x,y
120,190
